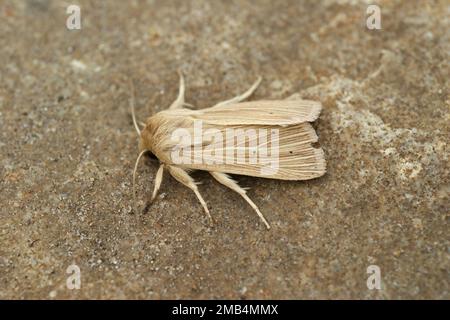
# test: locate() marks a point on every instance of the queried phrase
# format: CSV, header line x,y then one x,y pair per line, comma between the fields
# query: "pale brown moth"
x,y
297,158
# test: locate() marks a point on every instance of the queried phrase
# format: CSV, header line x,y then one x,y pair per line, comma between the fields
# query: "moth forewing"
x,y
269,139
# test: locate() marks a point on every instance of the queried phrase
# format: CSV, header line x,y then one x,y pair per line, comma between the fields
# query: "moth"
x,y
269,139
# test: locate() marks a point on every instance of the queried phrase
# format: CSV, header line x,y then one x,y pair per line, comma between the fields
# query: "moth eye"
x,y
150,155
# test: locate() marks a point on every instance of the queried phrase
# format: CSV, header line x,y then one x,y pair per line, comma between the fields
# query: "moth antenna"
x,y
132,102
134,180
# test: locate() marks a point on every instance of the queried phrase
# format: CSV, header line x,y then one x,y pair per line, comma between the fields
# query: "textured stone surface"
x,y
68,147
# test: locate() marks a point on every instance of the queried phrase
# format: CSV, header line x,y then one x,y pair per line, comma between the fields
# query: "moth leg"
x,y
158,180
241,97
179,102
230,183
182,176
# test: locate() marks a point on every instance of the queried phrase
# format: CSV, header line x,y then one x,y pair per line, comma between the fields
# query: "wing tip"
x,y
319,168
311,132
315,168
318,109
